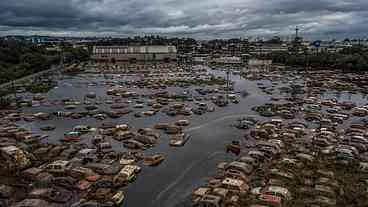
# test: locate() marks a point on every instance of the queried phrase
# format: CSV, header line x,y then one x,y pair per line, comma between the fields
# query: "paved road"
x,y
34,75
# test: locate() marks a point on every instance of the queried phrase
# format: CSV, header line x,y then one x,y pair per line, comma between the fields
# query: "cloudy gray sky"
x,y
203,19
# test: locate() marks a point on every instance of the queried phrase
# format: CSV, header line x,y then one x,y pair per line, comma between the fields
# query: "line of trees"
x,y
22,58
78,54
18,59
349,59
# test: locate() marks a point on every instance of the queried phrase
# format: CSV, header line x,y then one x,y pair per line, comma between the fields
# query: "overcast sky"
x,y
203,19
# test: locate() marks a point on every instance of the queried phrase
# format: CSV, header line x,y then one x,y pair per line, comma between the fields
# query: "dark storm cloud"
x,y
201,19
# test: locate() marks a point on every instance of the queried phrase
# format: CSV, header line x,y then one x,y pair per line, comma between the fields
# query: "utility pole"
x,y
227,84
296,32
296,41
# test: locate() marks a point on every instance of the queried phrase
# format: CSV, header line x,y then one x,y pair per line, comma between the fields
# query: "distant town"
x,y
346,54
235,46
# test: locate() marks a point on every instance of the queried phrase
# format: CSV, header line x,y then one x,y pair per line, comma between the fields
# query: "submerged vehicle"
x,y
132,144
179,140
126,175
48,128
153,160
172,129
72,136
234,147
162,126
82,129
182,122
58,166
97,139
118,198
14,158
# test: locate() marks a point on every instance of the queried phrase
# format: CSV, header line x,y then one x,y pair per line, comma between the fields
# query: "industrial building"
x,y
134,53
227,60
267,49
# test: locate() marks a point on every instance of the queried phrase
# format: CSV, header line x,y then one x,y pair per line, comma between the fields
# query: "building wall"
x,y
137,57
227,60
137,53
257,62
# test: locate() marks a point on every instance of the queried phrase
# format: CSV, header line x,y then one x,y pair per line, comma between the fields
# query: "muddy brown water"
x,y
171,183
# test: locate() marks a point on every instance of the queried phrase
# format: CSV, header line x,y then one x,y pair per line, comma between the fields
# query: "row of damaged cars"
x,y
72,183
283,167
233,184
297,175
62,175
65,182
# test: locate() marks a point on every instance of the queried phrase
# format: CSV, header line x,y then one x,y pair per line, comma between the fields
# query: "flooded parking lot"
x,y
96,100
171,182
